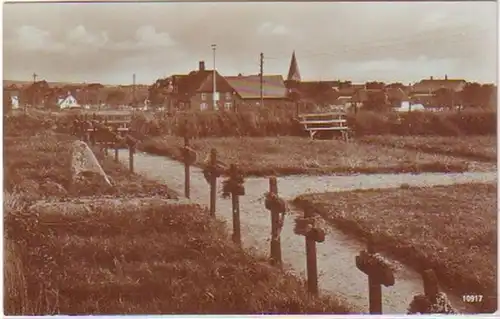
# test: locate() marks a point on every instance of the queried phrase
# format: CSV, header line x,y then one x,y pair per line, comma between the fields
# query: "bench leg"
x,y
312,133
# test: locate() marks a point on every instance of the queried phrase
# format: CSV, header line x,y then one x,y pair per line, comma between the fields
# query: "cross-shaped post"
x,y
275,215
213,180
235,201
378,273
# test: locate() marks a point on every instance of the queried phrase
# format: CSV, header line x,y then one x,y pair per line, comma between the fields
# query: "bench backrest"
x,y
330,120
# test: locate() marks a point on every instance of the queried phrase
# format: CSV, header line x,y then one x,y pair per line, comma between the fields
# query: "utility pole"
x,y
214,47
34,91
133,91
261,79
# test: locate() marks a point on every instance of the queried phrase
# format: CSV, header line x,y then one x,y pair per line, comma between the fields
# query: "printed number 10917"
x,y
472,298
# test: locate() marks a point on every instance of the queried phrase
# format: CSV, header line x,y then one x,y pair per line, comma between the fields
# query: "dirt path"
x,y
338,273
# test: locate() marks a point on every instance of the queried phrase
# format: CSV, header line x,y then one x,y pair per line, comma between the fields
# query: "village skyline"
x,y
333,41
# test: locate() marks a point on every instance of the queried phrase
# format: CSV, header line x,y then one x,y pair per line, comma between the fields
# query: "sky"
x,y
382,41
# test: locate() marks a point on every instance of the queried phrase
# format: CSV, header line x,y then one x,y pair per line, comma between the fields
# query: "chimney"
x,y
432,78
446,76
202,66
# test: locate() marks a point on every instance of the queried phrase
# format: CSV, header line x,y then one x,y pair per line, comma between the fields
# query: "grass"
x,y
452,229
480,148
132,259
170,259
294,155
39,166
280,121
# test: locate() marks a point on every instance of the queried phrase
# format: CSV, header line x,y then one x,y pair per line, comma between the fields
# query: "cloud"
x,y
79,35
146,38
271,28
29,38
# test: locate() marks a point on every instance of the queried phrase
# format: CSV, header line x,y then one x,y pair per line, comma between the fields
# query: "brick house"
x,y
194,91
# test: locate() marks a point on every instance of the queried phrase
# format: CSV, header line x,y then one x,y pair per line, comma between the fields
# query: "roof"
x,y
199,81
434,85
248,87
293,71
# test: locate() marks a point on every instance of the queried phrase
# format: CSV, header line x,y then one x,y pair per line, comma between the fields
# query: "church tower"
x,y
293,71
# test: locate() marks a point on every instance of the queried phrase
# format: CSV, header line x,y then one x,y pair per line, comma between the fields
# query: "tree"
x,y
376,101
158,93
115,97
477,95
7,102
446,98
374,85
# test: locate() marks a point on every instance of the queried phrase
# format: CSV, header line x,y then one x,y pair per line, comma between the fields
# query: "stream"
x,y
338,274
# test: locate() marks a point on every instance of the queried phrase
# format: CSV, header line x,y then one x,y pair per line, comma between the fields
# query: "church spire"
x,y
293,72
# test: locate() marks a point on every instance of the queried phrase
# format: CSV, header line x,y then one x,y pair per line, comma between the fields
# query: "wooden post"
x,y
275,238
186,166
312,266
378,273
116,153
131,151
235,200
213,181
431,288
374,287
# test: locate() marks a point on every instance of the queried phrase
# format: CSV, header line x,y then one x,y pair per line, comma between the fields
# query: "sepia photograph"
x,y
250,158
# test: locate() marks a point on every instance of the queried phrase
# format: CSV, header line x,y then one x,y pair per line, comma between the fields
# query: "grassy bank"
x,y
173,259
134,260
281,122
452,229
39,166
480,148
295,155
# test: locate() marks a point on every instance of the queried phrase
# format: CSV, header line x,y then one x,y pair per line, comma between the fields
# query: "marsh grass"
x,y
480,148
452,229
264,156
170,259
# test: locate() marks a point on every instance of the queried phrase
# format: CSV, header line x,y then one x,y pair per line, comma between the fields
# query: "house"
x,y
13,91
67,102
247,90
424,91
194,91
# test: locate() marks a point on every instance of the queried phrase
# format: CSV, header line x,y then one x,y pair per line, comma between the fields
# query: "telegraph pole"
x,y
262,79
34,91
214,47
133,91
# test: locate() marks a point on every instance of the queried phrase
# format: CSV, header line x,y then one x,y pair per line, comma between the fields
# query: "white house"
x,y
68,102
15,102
406,106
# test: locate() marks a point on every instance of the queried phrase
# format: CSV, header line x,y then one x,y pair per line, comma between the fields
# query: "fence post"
x,y
213,180
379,273
275,238
131,151
235,201
312,265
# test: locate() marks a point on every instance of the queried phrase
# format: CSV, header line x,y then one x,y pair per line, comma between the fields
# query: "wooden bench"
x,y
326,122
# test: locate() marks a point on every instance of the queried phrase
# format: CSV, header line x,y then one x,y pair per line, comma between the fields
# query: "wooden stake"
x,y
378,274
187,178
312,266
235,199
275,238
131,151
213,181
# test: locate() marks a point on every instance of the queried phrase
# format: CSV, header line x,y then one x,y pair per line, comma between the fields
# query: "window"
x,y
203,96
203,106
228,105
228,96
